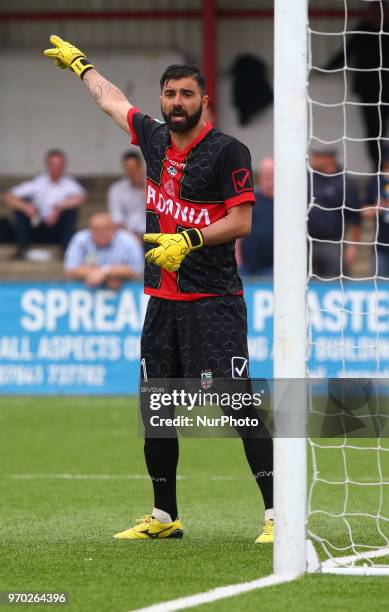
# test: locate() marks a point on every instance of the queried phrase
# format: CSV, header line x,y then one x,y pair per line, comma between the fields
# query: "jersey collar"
x,y
184,152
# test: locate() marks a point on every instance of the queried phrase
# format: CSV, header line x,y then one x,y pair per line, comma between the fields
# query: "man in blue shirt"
x,y
103,255
257,248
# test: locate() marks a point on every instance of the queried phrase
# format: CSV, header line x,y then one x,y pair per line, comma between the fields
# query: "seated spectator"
x,y
257,248
334,209
103,254
377,198
127,196
46,206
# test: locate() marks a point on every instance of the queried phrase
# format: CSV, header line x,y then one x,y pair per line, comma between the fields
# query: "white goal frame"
x,y
290,255
293,555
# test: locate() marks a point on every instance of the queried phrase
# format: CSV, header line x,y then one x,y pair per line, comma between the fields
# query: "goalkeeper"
x,y
199,201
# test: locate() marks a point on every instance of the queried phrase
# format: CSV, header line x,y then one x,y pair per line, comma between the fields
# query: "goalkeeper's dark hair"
x,y
182,71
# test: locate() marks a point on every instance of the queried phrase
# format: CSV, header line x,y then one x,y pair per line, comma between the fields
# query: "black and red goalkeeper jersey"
x,y
188,188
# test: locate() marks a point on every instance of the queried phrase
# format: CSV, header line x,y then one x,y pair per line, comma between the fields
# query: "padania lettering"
x,y
176,209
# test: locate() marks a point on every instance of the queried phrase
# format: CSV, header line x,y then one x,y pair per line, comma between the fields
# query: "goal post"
x,y
337,520
290,257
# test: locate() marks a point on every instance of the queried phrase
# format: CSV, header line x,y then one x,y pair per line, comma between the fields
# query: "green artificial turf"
x,y
56,530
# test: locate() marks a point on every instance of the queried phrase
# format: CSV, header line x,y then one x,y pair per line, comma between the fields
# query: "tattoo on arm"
x,y
101,88
97,92
108,98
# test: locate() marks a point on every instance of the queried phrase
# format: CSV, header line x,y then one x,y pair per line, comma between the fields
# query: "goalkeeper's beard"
x,y
182,126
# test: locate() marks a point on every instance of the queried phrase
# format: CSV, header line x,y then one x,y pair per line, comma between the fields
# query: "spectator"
x,y
377,198
334,208
127,196
367,53
257,248
46,204
103,254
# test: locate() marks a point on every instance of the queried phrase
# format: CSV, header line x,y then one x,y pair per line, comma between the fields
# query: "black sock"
x,y
259,454
161,456
258,446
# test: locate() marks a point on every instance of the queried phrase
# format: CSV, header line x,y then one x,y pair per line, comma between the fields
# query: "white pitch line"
x,y
219,593
81,476
105,477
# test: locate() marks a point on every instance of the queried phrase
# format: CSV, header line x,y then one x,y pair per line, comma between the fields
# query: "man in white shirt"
x,y
103,254
48,203
127,196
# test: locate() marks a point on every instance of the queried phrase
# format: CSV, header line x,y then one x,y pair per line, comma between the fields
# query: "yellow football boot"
x,y
148,528
267,535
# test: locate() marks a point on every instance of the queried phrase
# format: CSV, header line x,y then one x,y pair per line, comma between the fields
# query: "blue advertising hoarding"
x,y
67,339
59,338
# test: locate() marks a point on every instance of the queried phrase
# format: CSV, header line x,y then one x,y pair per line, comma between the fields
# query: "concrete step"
x,y
21,270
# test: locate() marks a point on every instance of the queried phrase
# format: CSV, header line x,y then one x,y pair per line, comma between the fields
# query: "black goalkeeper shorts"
x,y
181,339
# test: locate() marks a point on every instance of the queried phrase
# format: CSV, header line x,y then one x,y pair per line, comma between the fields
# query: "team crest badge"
x,y
169,188
206,379
172,171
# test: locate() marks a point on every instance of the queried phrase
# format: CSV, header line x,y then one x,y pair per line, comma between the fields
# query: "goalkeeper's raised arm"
x,y
106,95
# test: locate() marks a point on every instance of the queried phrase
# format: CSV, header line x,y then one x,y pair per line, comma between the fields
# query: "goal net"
x,y
348,290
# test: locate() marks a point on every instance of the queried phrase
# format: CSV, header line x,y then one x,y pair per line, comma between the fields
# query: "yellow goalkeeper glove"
x,y
68,56
173,248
